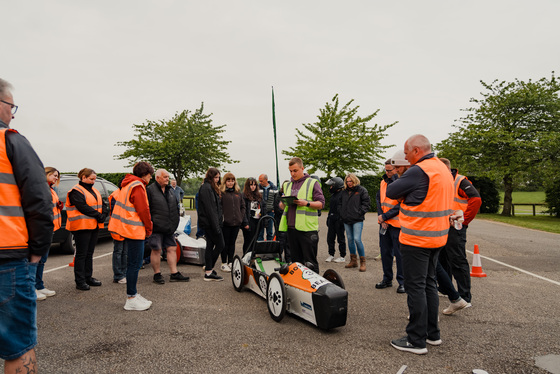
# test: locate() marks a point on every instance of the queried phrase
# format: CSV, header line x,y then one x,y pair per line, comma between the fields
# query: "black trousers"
x,y
453,258
336,232
249,234
389,244
303,247
230,236
419,266
214,246
83,263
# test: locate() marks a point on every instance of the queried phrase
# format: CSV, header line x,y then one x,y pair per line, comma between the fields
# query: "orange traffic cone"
x,y
72,263
477,265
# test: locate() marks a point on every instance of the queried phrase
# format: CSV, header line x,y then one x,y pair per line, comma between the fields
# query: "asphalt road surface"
x,y
208,327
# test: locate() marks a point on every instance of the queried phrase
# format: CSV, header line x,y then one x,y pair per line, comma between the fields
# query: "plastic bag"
x,y
187,229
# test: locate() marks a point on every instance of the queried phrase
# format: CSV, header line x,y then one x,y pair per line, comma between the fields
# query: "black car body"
x,y
63,236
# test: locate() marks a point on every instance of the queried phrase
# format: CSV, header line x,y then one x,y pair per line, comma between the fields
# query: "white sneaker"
x,y
122,281
378,258
339,259
329,259
142,298
136,303
47,292
40,295
455,307
225,268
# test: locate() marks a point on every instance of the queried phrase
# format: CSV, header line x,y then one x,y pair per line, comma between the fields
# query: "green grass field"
x,y
539,222
536,197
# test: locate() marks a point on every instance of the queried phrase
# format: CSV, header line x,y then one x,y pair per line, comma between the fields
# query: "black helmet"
x,y
336,182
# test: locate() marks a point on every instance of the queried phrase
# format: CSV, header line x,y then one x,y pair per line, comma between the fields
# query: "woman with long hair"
x,y
253,204
233,207
210,219
86,215
355,203
53,177
132,221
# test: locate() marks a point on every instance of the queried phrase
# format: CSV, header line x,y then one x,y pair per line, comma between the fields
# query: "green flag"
x,y
275,142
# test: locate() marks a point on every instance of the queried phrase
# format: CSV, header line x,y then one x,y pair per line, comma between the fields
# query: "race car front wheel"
x,y
276,297
333,277
237,274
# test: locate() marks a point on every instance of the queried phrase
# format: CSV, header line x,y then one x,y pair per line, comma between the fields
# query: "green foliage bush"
x,y
114,178
553,197
488,193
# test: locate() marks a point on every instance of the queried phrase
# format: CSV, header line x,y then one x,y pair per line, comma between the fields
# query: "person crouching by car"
x,y
131,219
52,180
86,214
210,218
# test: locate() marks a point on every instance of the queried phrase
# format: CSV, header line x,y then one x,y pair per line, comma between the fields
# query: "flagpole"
x,y
275,141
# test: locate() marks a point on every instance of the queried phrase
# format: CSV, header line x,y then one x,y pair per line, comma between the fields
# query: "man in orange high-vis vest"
x,y
390,227
426,194
26,227
453,257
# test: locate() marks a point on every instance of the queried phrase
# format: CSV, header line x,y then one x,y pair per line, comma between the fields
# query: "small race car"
x,y
292,288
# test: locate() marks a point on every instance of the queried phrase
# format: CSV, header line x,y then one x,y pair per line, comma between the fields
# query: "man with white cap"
x,y
388,219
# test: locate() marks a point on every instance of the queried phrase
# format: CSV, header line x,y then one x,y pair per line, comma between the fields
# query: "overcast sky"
x,y
85,71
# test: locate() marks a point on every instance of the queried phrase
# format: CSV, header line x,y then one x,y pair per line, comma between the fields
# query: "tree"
x,y
510,134
340,142
186,145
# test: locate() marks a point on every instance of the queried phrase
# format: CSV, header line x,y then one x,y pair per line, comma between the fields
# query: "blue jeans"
x,y
354,235
120,259
269,226
134,262
39,276
18,308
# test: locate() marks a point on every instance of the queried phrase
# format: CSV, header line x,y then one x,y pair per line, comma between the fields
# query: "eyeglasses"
x,y
14,107
390,169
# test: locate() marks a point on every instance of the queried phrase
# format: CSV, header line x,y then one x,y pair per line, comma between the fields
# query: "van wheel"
x,y
69,245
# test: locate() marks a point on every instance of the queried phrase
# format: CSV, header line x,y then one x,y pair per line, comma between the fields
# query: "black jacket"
x,y
36,199
233,207
163,209
355,204
210,215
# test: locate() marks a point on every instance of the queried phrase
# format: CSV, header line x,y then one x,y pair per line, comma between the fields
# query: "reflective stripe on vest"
x,y
125,221
13,229
307,219
458,202
57,217
75,219
426,225
388,204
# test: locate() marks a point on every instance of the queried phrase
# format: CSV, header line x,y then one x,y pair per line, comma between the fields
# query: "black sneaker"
x,y
402,344
158,278
213,276
178,277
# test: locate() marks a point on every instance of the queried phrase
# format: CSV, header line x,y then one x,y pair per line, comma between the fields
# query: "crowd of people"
x,y
424,208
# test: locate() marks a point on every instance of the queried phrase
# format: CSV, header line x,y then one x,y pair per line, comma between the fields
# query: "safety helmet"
x,y
336,183
399,160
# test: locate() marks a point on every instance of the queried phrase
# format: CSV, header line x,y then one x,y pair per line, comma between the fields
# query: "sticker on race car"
x,y
315,280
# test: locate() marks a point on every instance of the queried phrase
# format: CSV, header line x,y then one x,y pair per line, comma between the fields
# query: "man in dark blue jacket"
x,y
165,217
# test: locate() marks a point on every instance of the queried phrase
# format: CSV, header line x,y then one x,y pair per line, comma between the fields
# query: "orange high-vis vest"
x,y
459,203
114,196
13,229
78,221
125,221
57,217
426,225
388,204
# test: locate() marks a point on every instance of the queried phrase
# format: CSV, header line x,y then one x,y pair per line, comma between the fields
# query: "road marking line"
x,y
67,266
518,269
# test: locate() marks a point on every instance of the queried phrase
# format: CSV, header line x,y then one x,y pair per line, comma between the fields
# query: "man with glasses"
x,y
26,227
390,227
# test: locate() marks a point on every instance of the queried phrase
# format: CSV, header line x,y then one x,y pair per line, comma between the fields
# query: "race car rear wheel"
x,y
237,274
333,277
276,297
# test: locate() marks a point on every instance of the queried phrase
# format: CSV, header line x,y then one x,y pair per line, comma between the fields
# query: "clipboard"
x,y
288,200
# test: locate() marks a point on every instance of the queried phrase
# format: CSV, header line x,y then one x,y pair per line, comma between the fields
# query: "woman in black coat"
x,y
210,219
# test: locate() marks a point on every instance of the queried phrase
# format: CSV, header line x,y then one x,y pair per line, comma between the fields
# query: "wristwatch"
x,y
308,204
